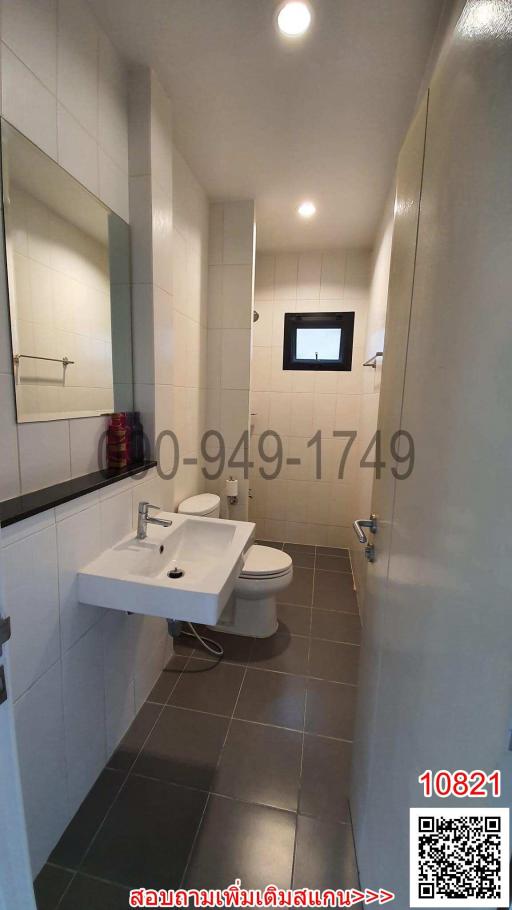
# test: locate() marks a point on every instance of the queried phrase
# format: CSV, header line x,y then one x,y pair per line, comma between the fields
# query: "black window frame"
x,y
293,321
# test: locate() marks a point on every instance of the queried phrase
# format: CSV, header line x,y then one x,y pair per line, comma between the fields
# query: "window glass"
x,y
318,344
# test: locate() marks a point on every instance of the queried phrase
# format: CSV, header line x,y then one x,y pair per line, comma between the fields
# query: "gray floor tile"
x,y
293,619
334,591
330,709
336,626
325,778
88,893
78,835
272,698
237,648
334,661
183,748
260,764
287,653
333,563
211,687
131,744
302,556
324,855
50,885
301,589
147,836
332,551
167,679
184,646
238,840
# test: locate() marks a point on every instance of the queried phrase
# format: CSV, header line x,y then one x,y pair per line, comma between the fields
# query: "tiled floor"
x,y
236,769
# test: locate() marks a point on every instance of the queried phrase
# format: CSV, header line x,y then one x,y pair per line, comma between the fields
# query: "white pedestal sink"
x,y
133,575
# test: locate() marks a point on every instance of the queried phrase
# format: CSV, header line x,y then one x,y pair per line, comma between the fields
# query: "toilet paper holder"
x,y
232,491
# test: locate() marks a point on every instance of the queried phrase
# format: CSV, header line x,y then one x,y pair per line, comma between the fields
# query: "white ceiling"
x,y
259,117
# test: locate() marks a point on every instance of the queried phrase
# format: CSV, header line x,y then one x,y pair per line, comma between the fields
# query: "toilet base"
x,y
253,618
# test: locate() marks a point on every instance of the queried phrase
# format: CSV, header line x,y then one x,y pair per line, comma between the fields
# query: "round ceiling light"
x,y
306,209
294,18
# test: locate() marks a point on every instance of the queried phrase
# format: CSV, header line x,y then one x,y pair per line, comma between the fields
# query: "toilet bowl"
x,y
252,607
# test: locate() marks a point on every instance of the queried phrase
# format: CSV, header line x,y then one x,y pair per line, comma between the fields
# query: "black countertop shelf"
x,y
13,510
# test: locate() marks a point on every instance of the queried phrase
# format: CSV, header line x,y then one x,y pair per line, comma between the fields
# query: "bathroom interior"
x,y
231,357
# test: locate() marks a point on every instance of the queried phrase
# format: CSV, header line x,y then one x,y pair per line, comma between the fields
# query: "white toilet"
x,y
267,571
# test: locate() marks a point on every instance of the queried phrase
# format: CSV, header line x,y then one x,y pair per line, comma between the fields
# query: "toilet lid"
x,y
265,561
201,504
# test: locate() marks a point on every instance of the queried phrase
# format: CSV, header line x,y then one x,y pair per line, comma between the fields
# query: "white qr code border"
x,y
459,812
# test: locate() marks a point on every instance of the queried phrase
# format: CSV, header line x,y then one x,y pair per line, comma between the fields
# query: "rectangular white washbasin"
x,y
133,575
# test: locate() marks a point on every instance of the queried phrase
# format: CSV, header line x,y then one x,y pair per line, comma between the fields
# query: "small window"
x,y
318,341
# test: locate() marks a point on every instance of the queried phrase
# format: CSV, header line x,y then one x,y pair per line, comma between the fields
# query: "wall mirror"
x,y
68,270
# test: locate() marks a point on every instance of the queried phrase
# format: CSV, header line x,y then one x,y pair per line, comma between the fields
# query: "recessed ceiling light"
x,y
306,209
294,18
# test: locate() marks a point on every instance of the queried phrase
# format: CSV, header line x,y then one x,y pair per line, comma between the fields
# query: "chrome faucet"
x,y
144,519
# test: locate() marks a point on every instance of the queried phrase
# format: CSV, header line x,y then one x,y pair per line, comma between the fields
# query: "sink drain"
x,y
175,573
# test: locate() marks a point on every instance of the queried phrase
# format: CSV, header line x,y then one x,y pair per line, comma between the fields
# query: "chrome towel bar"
x,y
372,362
65,361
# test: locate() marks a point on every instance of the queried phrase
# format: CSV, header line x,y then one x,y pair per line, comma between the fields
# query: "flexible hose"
x,y
217,650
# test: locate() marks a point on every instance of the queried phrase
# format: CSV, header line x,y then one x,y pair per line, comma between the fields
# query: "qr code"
x,y
459,857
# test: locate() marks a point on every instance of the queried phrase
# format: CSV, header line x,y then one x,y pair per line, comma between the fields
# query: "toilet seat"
x,y
202,505
265,562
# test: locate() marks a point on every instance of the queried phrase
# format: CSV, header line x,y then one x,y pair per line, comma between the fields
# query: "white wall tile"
x,y
67,509
297,404
77,150
84,714
139,121
238,232
141,229
113,185
29,28
87,445
39,720
143,333
333,275
264,277
357,274
77,68
263,327
27,104
164,336
235,358
79,542
309,272
236,296
216,234
234,413
113,104
286,276
44,454
10,475
27,527
116,518
32,596
162,236
161,137
261,367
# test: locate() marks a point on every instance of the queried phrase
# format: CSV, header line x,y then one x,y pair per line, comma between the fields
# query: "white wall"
x,y
65,88
230,304
369,401
79,673
169,217
190,340
296,506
